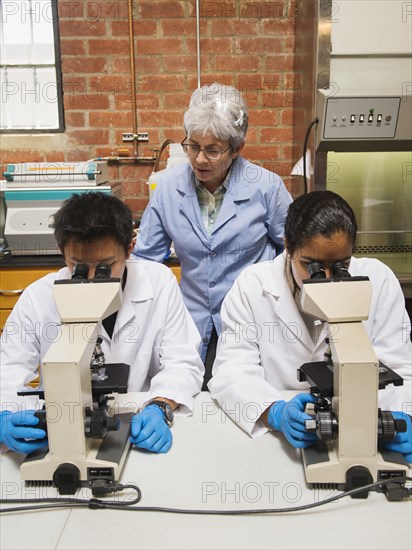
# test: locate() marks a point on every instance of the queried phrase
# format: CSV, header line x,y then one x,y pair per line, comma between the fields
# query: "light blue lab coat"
x,y
248,229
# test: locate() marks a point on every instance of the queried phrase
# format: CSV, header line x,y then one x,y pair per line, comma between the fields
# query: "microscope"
x,y
87,443
346,419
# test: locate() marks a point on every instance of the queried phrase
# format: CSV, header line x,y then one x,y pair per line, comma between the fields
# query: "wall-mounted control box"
x,y
363,123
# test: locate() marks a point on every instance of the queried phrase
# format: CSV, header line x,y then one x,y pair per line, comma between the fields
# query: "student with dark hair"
x,y
266,336
87,217
152,331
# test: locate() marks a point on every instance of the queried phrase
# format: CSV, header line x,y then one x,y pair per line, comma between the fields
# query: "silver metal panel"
x,y
354,122
361,118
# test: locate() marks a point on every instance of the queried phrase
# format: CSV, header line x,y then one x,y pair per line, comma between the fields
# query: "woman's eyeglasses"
x,y
210,153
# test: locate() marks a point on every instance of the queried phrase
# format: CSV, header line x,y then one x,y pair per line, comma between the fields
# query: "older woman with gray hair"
x,y
221,212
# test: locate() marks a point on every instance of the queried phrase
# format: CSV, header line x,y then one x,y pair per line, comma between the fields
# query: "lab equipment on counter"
x,y
32,192
350,428
29,215
87,442
52,174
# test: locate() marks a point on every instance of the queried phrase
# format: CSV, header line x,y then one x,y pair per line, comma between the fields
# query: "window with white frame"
x,y
30,73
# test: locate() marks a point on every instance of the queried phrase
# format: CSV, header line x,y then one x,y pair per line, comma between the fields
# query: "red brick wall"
x,y
246,43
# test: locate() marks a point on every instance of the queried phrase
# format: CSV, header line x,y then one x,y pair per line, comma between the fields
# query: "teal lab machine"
x,y
33,192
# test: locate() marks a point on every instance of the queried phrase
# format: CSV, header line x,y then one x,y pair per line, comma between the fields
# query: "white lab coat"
x,y
264,341
154,334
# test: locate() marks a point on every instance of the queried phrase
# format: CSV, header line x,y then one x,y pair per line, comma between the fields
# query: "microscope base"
x,y
104,461
324,469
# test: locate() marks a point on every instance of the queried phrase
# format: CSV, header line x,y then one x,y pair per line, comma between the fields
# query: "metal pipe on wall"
x,y
117,159
198,41
133,78
135,157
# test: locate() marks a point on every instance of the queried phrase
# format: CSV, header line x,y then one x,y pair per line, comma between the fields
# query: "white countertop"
x,y
213,464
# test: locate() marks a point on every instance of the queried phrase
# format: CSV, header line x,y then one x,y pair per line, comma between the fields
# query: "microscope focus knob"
x,y
98,423
388,426
324,424
113,423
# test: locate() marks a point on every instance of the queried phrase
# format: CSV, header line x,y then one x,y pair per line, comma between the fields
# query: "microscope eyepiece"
x,y
103,271
316,271
80,271
340,271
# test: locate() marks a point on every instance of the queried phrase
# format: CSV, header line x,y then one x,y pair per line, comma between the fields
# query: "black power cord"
x,y
71,502
394,490
305,146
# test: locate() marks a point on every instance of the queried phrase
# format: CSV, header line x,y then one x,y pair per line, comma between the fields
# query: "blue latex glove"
x,y
149,430
289,417
402,442
18,433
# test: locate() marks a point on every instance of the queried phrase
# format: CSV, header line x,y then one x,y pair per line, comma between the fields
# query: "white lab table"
x,y
213,464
